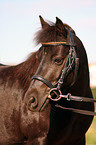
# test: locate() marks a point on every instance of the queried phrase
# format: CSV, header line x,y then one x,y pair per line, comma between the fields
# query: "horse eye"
x,y
58,61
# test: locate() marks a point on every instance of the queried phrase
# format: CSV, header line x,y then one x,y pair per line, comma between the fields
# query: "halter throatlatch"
x,y
55,93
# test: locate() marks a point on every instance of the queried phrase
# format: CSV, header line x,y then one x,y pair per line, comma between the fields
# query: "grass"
x,y
94,92
91,134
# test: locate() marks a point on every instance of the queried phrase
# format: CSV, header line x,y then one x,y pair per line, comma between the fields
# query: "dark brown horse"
x,y
19,94
62,57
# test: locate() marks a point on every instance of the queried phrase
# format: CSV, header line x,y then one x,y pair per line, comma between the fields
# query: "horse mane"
x,y
50,33
22,72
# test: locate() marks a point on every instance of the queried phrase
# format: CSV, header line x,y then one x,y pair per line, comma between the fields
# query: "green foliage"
x,y
94,92
91,134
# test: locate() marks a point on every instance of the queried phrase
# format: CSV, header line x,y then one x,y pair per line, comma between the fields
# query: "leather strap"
x,y
78,98
69,97
85,112
58,43
46,82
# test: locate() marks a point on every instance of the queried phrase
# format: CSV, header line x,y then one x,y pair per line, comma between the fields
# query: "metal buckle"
x,y
68,97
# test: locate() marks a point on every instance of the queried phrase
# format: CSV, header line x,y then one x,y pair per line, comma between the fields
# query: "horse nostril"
x,y
32,103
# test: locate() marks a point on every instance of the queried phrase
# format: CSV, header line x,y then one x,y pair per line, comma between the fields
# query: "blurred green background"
x,y
91,133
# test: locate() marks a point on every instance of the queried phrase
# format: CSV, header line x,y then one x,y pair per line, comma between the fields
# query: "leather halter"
x,y
72,60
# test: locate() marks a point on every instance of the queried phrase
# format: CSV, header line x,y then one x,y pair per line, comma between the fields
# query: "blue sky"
x,y
19,20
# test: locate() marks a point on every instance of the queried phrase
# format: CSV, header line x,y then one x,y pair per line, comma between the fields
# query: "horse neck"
x,y
26,70
22,72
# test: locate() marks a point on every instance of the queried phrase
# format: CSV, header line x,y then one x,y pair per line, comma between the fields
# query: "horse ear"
x,y
58,21
43,23
60,26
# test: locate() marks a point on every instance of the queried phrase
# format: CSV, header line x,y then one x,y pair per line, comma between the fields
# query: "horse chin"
x,y
45,118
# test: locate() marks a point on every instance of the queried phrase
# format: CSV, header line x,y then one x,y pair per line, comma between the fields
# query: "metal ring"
x,y
56,92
